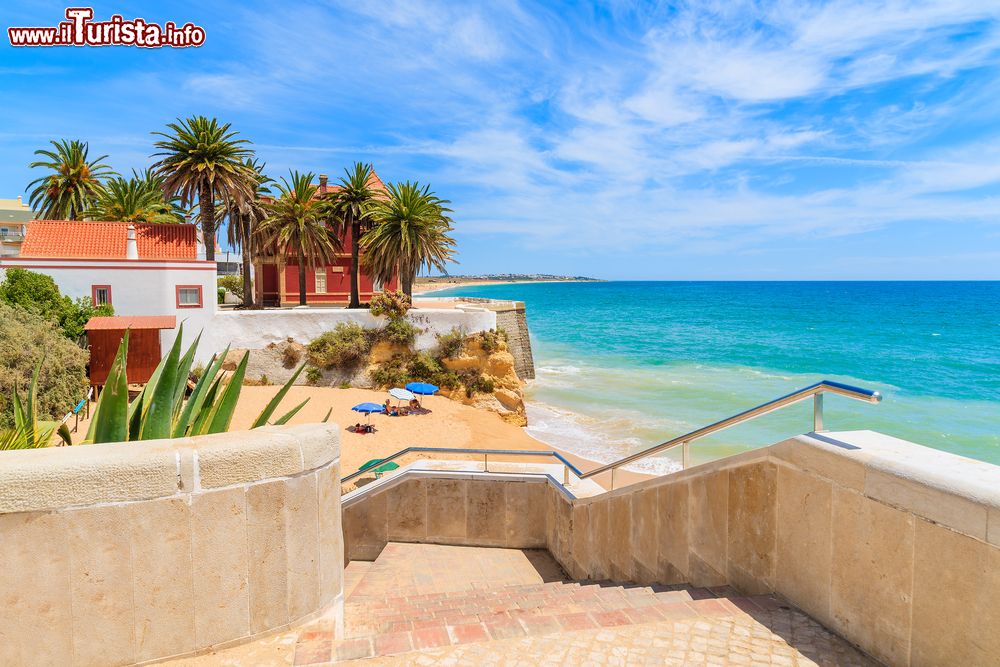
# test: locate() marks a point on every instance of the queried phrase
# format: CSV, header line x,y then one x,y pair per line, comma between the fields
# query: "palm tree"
x,y
298,220
411,231
69,190
245,219
136,199
352,204
203,160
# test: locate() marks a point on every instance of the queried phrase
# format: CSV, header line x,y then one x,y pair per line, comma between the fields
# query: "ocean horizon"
x,y
622,365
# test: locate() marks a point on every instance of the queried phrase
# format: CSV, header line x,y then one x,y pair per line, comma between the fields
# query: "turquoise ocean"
x,y
624,365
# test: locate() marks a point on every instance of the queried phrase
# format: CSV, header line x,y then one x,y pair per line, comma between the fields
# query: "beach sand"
x,y
447,424
438,284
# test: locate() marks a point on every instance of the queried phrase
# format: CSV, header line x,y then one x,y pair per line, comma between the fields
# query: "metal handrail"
x,y
815,391
459,450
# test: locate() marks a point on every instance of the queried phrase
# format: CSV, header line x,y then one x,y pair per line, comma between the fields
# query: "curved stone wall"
x,y
126,553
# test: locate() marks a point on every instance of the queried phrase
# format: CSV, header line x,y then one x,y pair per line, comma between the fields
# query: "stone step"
x,y
410,614
320,647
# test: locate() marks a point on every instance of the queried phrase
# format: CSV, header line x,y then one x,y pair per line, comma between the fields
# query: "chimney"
x,y
322,184
131,247
19,200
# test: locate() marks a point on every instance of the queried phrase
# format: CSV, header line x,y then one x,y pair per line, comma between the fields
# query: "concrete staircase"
x,y
490,604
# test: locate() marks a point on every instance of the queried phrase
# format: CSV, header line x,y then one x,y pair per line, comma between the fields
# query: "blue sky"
x,y
716,140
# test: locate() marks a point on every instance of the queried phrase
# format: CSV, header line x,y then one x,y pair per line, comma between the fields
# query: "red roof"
x,y
107,240
374,182
120,323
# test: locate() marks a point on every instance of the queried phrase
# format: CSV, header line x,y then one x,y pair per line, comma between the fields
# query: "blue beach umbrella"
x,y
422,388
368,408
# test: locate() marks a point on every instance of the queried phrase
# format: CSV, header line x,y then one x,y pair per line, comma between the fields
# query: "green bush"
x,y
475,383
233,284
345,348
26,337
38,294
424,367
314,375
391,373
399,331
490,340
450,344
392,304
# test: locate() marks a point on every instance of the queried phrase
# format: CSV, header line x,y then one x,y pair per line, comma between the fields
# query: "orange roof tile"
x,y
122,322
107,240
374,182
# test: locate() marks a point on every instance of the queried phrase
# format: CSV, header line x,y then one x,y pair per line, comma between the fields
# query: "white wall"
x,y
256,329
137,287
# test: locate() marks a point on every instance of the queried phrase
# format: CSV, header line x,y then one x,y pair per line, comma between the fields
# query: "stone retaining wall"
x,y
892,545
128,553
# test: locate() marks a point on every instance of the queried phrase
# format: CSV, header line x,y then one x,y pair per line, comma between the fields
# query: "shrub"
x,y
392,304
314,375
38,293
451,344
391,373
232,284
475,383
346,384
490,340
26,337
290,356
345,347
399,332
424,367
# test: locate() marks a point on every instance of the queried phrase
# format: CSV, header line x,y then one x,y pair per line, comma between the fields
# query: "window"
x,y
100,294
321,281
4,232
189,296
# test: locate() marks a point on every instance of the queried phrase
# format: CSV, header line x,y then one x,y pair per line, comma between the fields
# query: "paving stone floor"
x,y
423,604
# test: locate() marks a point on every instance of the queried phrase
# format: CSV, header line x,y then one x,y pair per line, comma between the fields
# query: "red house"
x,y
278,277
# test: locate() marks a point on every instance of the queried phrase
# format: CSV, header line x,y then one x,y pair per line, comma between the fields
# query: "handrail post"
x,y
565,475
817,413
613,478
685,455
486,462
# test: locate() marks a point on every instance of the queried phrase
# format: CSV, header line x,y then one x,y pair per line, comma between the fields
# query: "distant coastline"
x,y
425,285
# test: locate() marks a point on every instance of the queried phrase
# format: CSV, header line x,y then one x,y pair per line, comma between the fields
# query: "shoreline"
x,y
420,289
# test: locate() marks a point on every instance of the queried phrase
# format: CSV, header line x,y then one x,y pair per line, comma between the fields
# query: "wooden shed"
x,y
104,335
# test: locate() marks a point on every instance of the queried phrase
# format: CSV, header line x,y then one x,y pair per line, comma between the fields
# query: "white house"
x,y
140,269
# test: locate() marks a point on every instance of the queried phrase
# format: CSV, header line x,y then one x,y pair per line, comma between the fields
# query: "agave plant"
x,y
161,411
28,432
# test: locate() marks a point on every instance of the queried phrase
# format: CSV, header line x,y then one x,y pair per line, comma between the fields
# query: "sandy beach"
x,y
439,284
447,424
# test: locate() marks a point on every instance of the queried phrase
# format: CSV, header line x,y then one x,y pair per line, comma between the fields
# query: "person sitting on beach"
x,y
386,408
414,405
358,428
393,411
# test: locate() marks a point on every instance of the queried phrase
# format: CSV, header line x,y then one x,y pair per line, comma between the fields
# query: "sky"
x,y
619,140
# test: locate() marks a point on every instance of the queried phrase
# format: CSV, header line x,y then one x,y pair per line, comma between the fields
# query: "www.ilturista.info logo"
x,y
80,30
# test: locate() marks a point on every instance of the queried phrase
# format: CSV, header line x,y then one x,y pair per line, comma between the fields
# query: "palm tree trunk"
x,y
355,277
247,286
302,277
406,279
206,207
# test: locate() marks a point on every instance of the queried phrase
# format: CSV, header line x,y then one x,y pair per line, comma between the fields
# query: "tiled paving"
x,y
422,604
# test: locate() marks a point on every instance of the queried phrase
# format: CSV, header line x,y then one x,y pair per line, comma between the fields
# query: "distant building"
x,y
140,269
278,282
14,218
